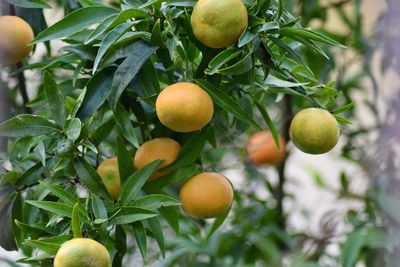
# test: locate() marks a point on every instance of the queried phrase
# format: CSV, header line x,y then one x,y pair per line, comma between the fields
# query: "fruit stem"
x,y
280,194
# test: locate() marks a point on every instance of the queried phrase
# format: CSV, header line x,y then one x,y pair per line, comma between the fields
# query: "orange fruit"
x,y
82,252
184,107
206,195
262,149
108,170
314,131
219,24
15,35
166,149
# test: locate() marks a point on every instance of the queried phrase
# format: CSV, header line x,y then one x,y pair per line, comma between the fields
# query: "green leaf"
x,y
310,35
29,3
139,232
47,247
28,125
76,227
90,178
155,201
242,66
129,68
135,182
176,177
171,215
74,129
54,207
125,161
190,151
273,81
59,192
98,207
127,15
125,126
103,131
155,38
7,197
73,22
352,248
222,58
100,29
268,120
108,41
29,229
217,223
156,229
223,100
344,108
342,120
132,214
97,91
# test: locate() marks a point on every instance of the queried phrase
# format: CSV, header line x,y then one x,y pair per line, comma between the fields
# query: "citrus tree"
x,y
131,120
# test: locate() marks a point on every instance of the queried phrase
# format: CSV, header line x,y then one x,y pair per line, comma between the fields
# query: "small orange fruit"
x,y
184,107
314,131
206,195
219,24
15,35
262,149
82,252
166,149
108,170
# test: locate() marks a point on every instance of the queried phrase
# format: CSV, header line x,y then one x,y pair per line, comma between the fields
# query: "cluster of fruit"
x,y
216,24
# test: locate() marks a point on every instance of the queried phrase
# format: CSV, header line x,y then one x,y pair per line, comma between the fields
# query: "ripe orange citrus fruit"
x,y
165,149
184,107
262,148
109,173
82,252
206,195
314,131
219,24
15,34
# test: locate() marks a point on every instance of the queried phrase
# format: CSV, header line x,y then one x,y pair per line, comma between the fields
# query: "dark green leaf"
x,y
28,125
129,68
135,182
155,201
75,223
97,91
140,236
156,229
30,3
90,178
132,214
227,103
74,22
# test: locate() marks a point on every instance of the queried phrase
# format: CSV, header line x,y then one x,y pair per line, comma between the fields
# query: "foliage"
x,y
96,100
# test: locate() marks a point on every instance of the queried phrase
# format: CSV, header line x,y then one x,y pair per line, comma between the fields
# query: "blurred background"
x,y
330,196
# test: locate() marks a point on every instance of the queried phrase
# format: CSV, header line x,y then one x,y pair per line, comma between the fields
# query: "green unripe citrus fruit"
x,y
82,252
314,131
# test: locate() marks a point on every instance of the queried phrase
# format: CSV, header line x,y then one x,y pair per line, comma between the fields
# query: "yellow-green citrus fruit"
x,y
82,252
219,23
108,170
262,149
15,35
184,107
206,195
314,131
166,149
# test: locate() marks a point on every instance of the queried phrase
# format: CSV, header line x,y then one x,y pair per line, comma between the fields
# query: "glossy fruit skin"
x,y
82,252
184,107
314,131
109,173
219,24
166,149
262,149
15,35
206,195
